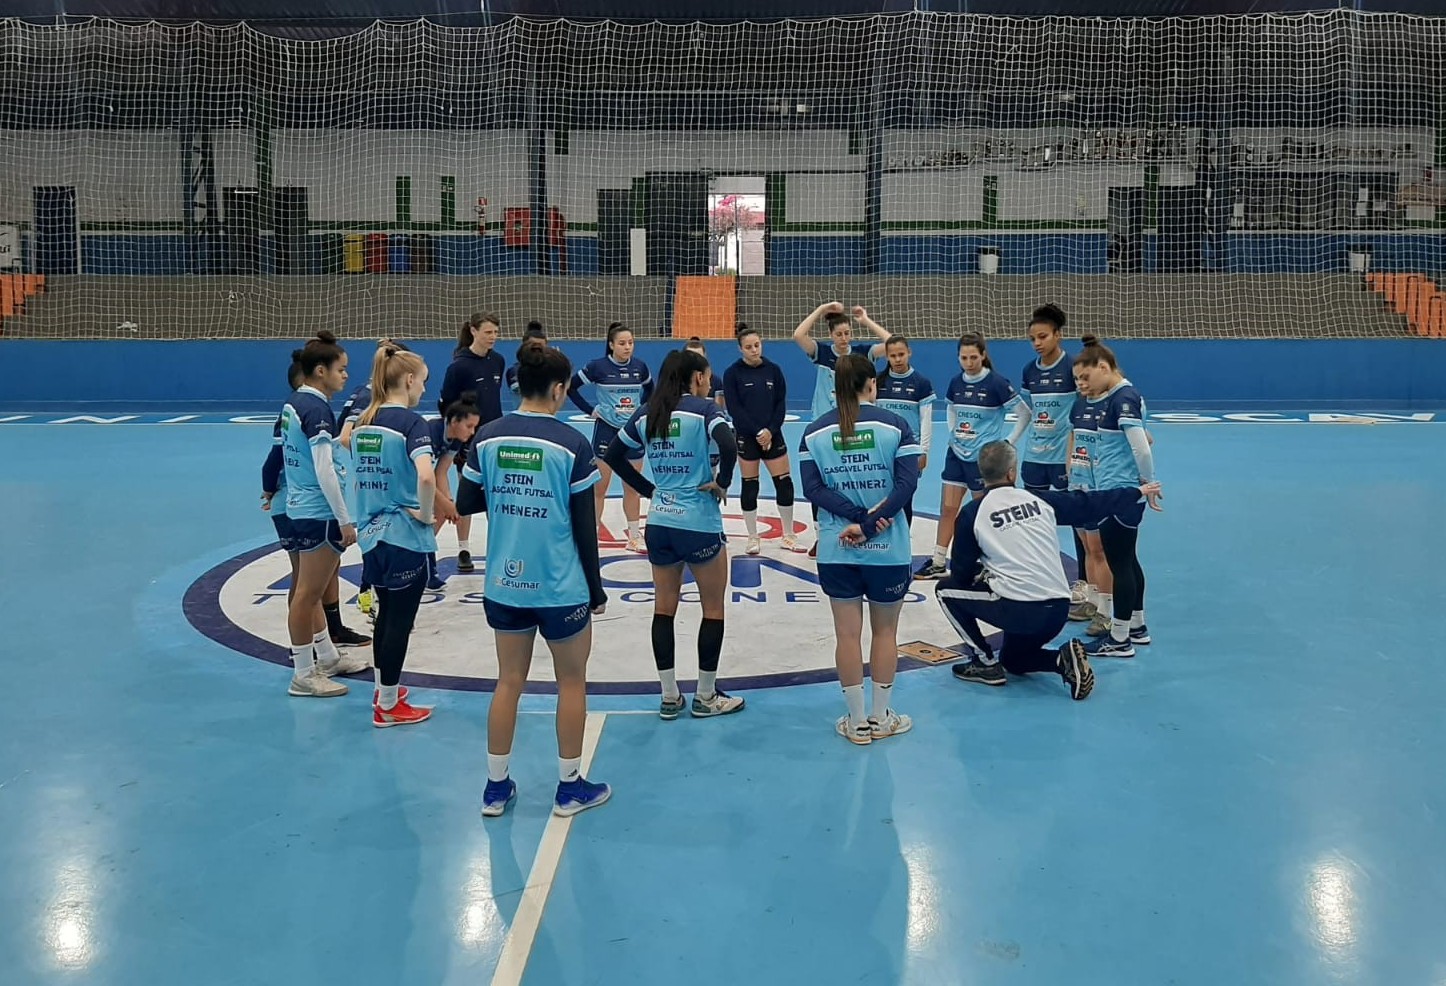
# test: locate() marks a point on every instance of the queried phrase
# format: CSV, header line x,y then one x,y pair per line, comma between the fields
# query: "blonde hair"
x,y
390,367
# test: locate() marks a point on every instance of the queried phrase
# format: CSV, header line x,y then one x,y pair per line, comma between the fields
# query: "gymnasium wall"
x,y
1384,375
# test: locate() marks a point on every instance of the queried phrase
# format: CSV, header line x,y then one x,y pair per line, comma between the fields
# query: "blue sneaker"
x,y
1140,635
497,795
579,795
436,583
1109,647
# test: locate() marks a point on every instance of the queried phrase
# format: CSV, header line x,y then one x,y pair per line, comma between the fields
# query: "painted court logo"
x,y
779,629
518,458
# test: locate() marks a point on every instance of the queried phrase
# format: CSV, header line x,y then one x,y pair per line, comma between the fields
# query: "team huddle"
x,y
380,478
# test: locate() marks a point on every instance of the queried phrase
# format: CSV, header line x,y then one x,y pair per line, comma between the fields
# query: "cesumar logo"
x,y
513,568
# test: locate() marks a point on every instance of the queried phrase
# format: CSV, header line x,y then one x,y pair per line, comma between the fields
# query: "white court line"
x,y
517,947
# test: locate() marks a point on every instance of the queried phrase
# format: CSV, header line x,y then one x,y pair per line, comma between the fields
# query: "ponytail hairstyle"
x,y
695,344
390,367
742,331
534,330
895,340
850,376
468,333
977,341
294,377
321,350
674,380
1095,352
834,319
613,329
539,366
463,407
1049,315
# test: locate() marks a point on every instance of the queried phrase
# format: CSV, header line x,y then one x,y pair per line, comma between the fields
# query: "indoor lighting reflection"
x,y
480,923
1332,901
68,919
923,897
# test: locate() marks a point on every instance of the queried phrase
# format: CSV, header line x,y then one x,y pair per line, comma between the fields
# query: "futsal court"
x,y
1251,799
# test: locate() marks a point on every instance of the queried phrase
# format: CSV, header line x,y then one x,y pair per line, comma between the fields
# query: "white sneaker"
x,y
348,663
790,542
636,543
315,685
753,546
890,724
860,735
1079,592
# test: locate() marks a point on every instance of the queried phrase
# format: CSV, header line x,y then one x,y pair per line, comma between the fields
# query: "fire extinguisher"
x,y
481,211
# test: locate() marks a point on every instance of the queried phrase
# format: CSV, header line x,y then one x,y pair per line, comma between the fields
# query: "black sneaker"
x,y
981,674
464,563
347,637
929,570
1074,668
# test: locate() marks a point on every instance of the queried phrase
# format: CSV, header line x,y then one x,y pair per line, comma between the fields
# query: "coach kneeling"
x,y
1005,570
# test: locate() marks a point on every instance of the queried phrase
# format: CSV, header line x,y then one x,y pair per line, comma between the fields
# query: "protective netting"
x,y
1231,177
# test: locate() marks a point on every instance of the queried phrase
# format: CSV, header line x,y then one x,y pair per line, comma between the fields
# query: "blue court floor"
x,y
1257,798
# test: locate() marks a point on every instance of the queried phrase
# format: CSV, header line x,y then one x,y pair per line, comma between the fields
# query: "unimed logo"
x,y
518,457
854,443
675,428
369,444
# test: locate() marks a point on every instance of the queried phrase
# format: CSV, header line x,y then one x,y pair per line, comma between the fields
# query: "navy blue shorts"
x,y
308,535
1041,476
668,546
957,472
1133,517
282,523
603,435
553,622
387,566
881,584
750,451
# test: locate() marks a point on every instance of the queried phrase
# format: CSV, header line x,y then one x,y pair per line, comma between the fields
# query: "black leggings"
x,y
1120,544
394,628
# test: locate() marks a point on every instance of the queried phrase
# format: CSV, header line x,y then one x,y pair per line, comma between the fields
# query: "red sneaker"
x,y
400,714
401,694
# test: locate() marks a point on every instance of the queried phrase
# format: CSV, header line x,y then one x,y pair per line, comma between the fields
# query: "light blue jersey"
x,y
976,412
1121,410
1051,394
621,387
911,397
529,466
825,398
385,453
861,469
681,463
306,422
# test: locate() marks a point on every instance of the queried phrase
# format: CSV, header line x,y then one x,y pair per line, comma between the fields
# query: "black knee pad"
x,y
783,490
749,498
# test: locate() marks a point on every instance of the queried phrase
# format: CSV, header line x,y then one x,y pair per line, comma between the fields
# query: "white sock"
x,y
569,768
881,699
670,684
388,698
326,652
854,696
1119,631
1137,619
377,677
1092,594
632,529
750,521
462,545
941,555
303,659
706,688
1106,605
785,516
497,766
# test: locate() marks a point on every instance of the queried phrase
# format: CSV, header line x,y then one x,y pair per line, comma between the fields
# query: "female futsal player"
x,y
685,525
533,475
316,510
756,393
978,400
910,395
1099,584
534,330
450,435
479,368
860,464
1120,457
1048,387
396,487
841,335
715,384
622,383
273,485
